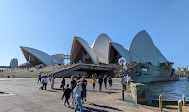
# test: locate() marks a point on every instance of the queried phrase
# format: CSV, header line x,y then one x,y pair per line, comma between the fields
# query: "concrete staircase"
x,y
66,72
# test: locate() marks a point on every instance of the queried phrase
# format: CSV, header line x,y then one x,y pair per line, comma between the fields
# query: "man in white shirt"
x,y
124,81
77,97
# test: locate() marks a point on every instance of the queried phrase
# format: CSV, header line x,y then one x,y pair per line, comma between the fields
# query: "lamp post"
x,y
122,62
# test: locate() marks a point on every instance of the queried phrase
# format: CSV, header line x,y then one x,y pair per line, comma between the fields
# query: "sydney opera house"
x,y
152,65
104,50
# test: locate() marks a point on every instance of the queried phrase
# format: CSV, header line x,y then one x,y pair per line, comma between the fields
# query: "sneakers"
x,y
64,104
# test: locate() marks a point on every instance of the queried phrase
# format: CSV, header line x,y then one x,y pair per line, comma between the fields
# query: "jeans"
x,y
105,84
93,85
110,84
73,99
78,103
100,86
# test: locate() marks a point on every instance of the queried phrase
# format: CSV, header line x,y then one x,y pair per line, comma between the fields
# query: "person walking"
x,y
52,82
77,96
66,94
73,85
105,81
44,82
62,83
100,81
123,81
50,77
39,77
110,81
84,89
93,81
77,78
129,80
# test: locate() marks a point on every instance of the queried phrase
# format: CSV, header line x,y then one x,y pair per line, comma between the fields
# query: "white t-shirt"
x,y
77,91
129,79
45,80
124,80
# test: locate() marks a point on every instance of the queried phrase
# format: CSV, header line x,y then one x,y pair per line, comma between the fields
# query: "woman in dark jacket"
x,y
62,83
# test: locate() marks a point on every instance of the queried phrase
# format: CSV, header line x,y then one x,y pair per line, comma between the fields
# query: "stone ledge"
x,y
138,93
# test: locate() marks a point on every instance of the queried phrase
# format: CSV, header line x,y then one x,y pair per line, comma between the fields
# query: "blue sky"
x,y
50,26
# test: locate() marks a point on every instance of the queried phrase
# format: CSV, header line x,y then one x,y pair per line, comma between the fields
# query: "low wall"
x,y
138,93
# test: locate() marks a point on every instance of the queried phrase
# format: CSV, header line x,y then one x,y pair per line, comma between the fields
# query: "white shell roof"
x,y
42,56
101,48
124,52
143,47
87,48
58,59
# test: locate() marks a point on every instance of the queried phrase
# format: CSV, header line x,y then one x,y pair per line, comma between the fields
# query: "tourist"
x,y
77,97
52,82
67,93
105,81
77,78
44,82
62,83
39,77
73,85
93,81
123,82
100,81
13,76
128,80
84,89
110,81
50,77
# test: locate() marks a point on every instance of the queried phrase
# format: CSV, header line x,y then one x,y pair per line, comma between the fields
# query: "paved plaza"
x,y
26,97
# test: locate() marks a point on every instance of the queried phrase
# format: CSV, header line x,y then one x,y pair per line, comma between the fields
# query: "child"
x,y
67,93
93,81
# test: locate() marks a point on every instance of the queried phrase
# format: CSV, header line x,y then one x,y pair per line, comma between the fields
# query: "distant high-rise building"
x,y
14,63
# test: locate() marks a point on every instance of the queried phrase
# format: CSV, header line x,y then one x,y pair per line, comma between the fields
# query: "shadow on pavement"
x,y
57,89
106,107
172,108
108,92
90,109
116,89
52,91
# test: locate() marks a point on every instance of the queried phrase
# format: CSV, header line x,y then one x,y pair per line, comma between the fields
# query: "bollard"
x,y
179,106
184,100
160,103
123,94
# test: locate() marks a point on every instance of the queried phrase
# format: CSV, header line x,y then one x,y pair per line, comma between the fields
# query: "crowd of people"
x,y
77,88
